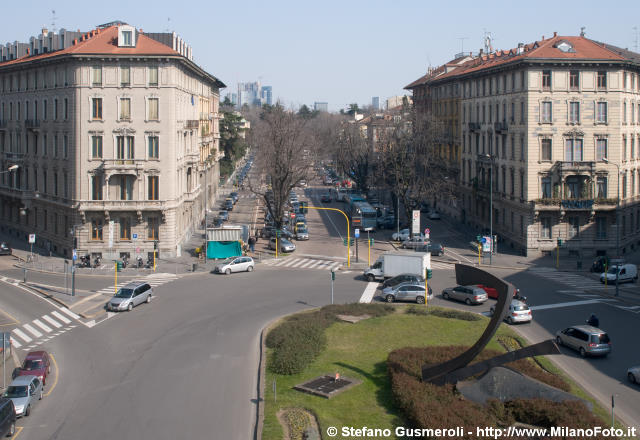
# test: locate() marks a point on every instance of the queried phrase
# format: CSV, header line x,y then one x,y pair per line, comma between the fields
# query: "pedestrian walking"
x,y
252,243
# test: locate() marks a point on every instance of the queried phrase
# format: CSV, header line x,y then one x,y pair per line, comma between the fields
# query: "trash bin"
x,y
194,267
118,266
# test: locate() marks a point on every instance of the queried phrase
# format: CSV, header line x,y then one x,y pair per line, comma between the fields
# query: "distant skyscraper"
x,y
234,98
249,94
321,106
375,102
266,95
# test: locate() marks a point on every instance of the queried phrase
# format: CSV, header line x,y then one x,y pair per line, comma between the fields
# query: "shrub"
x,y
291,358
297,421
455,314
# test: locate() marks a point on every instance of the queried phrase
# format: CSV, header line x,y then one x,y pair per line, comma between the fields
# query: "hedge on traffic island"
x,y
434,406
300,338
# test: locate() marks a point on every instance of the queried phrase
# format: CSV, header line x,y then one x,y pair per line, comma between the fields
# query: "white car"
x,y
238,264
633,374
518,312
401,236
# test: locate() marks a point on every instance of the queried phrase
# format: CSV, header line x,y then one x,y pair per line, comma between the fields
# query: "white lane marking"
x,y
32,330
565,304
290,262
308,263
42,325
335,266
61,317
21,335
301,262
369,291
15,343
281,262
69,312
51,321
316,263
628,307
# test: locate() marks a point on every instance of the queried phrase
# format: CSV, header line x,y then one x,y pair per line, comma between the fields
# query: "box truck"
x,y
391,264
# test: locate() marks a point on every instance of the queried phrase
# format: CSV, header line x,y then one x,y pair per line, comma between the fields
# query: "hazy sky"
x,y
334,51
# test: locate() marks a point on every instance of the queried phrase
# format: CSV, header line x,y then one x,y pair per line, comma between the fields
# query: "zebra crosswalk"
x,y
304,263
32,334
154,279
567,278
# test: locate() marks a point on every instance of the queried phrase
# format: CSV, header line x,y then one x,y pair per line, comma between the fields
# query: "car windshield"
x,y
613,270
227,261
124,293
520,308
301,229
13,391
32,365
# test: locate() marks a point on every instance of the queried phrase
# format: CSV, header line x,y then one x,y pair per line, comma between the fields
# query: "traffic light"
x,y
344,240
559,242
371,242
155,245
303,208
429,274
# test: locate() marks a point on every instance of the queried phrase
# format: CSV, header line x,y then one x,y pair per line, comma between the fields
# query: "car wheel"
x,y
582,352
631,377
445,295
389,298
250,269
228,271
130,307
148,300
467,301
371,277
420,300
12,430
27,411
510,320
558,340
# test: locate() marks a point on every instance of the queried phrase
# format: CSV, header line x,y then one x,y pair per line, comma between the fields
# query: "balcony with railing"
x,y
122,205
191,124
13,157
123,164
474,127
501,127
576,166
3,124
32,124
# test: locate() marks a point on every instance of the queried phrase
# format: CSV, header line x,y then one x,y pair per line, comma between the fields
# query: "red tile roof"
x,y
103,42
584,49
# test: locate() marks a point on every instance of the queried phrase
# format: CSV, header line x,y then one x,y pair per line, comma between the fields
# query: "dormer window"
x,y
565,46
126,36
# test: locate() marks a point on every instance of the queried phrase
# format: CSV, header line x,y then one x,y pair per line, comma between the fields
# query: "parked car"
x,y
218,222
518,312
36,363
237,264
436,249
5,249
300,218
406,292
467,294
235,197
633,374
493,293
418,241
224,215
284,245
325,198
402,278
434,215
7,417
228,204
24,391
585,339
385,221
130,295
626,273
401,236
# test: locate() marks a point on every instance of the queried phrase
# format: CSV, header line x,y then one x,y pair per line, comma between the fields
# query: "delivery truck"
x,y
391,264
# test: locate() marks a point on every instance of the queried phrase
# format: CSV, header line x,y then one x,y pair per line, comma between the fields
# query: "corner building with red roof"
x,y
115,134
551,123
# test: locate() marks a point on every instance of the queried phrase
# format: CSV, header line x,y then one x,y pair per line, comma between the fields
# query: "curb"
x,y
46,295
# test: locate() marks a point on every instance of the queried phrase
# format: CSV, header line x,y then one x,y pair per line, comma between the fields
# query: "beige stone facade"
x,y
114,146
550,123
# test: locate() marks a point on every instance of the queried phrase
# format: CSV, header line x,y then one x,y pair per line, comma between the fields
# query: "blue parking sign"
x,y
75,255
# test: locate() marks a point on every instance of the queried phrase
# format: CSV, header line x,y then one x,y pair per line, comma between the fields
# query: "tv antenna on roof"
x,y
168,25
462,43
488,39
635,41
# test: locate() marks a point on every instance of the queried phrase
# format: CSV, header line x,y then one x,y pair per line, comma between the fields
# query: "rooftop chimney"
x,y
520,49
555,34
45,32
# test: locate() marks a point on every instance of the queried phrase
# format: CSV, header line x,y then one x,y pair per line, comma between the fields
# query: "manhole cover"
x,y
327,386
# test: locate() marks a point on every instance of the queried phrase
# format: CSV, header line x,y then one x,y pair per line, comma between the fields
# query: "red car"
x,y
36,363
493,293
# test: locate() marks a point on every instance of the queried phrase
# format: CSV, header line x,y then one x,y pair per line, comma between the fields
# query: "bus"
x,y
362,215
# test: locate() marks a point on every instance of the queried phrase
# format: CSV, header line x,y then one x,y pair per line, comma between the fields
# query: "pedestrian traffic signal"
x,y
344,240
155,245
302,208
371,242
429,274
559,242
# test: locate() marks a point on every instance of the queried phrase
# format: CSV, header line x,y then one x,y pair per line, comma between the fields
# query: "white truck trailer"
x,y
391,264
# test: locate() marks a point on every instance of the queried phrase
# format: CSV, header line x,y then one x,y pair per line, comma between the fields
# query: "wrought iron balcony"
x,y
32,124
474,126
500,127
576,166
122,205
191,123
122,164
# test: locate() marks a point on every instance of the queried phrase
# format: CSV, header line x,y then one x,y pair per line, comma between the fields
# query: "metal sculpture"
x,y
457,368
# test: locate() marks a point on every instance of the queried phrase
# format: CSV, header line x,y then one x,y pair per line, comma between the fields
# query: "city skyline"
x,y
338,66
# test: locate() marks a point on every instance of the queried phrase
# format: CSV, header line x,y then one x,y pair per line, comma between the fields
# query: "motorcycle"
x,y
85,261
139,262
125,261
149,264
96,262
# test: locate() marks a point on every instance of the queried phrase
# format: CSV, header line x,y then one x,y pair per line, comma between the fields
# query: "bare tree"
x,y
411,163
354,156
283,143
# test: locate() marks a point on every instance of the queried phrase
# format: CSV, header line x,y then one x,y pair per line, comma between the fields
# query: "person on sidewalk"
x,y
252,243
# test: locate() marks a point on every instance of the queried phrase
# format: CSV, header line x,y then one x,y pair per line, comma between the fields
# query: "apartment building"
x,y
115,133
547,130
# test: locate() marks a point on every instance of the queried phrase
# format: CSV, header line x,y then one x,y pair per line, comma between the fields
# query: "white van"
x,y
628,273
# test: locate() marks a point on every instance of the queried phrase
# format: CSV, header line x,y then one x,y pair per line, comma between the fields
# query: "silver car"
x,y
467,294
406,292
415,242
302,233
25,391
633,374
238,264
284,245
585,339
129,296
518,312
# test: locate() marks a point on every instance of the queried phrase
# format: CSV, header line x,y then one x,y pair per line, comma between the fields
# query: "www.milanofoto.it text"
x,y
486,432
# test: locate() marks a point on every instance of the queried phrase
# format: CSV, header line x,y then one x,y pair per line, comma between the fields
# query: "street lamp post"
x,y
491,158
605,160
